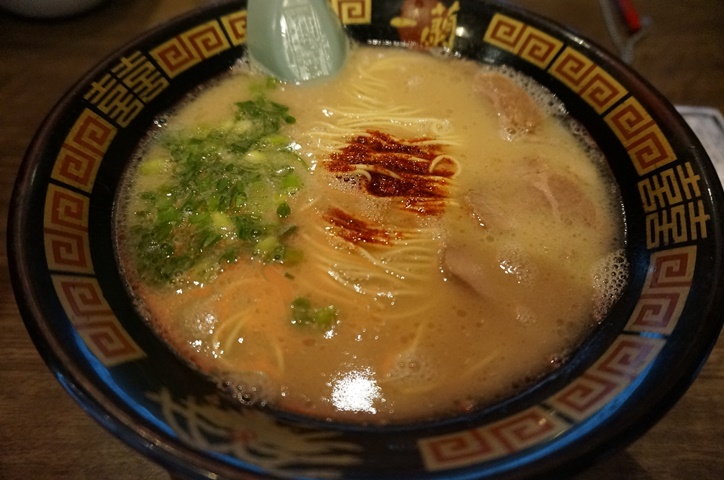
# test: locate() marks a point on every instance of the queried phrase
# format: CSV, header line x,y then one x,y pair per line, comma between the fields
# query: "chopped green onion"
x,y
303,313
218,192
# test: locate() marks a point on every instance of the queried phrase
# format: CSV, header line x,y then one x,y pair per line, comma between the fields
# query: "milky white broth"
x,y
445,301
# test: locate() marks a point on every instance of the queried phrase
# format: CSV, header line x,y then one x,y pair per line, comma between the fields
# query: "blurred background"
x,y
45,435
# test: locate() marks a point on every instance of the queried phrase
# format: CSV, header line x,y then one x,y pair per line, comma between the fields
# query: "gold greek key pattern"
x,y
526,428
84,147
627,357
235,26
672,268
501,438
190,48
572,68
629,121
352,12
458,449
67,251
90,314
65,230
66,209
81,297
658,311
617,368
109,342
641,136
667,286
599,89
586,395
650,151
522,40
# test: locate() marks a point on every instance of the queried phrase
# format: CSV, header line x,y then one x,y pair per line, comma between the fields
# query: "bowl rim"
x,y
169,451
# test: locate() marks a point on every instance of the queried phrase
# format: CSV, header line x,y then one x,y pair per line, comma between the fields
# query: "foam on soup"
x,y
418,237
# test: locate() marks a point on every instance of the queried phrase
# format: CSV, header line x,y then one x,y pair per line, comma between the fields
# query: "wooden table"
x,y
45,435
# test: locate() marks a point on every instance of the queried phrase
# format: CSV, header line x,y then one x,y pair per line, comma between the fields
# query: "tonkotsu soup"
x,y
417,237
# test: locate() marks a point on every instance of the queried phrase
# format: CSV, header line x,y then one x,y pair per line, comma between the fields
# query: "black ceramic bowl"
x,y
623,378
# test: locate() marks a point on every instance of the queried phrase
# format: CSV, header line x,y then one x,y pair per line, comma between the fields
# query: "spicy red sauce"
x,y
357,231
415,171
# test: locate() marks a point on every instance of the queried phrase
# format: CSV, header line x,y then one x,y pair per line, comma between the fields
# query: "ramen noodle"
x,y
418,237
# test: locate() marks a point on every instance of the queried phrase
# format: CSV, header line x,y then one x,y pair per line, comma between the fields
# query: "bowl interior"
x,y
631,369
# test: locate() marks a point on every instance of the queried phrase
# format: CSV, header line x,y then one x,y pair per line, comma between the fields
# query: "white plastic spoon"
x,y
295,40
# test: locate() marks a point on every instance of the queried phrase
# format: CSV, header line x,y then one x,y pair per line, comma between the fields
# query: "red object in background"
x,y
630,15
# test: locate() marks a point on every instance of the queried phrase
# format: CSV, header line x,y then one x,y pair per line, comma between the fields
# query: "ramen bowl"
x,y
623,377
